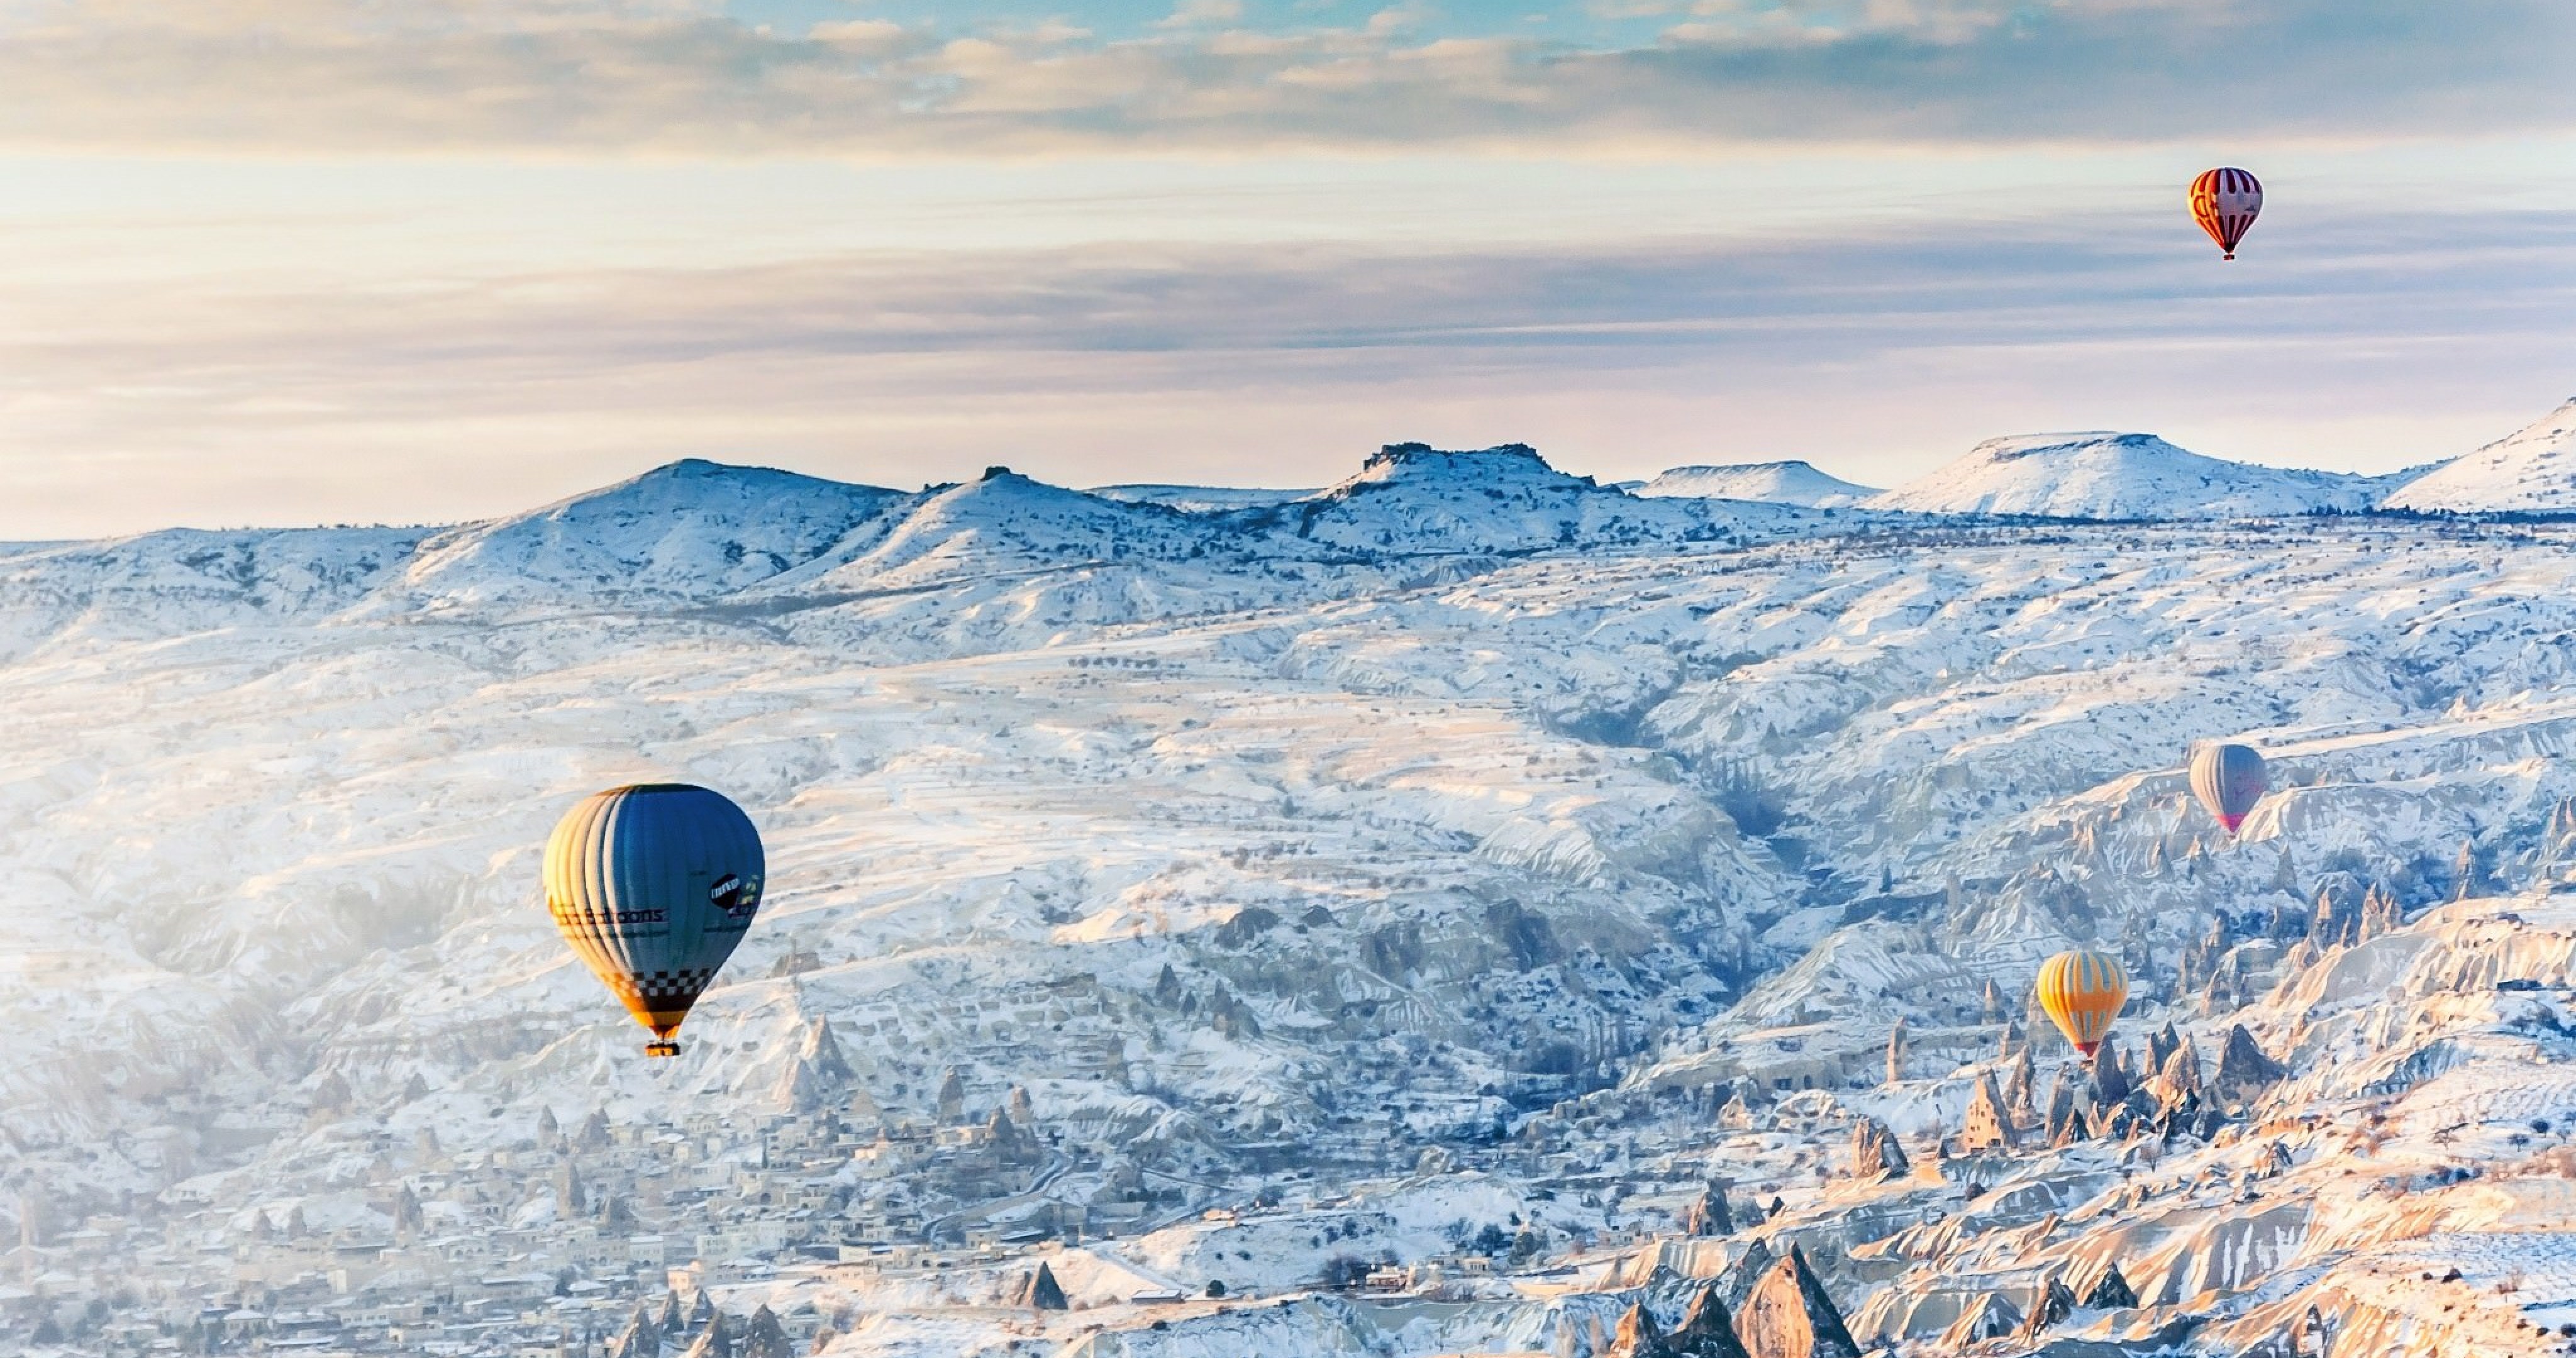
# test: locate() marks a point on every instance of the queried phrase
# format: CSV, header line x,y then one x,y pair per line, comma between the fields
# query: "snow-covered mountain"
x,y
2113,476
2531,471
1787,483
1466,846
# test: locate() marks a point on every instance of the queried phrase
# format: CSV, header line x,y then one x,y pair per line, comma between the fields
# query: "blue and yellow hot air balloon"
x,y
2083,991
653,885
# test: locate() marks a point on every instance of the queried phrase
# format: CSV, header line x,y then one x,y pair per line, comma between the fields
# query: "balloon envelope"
x,y
2229,780
2082,992
653,885
2225,203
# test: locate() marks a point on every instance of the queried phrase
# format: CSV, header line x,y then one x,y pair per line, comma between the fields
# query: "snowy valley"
x,y
1468,909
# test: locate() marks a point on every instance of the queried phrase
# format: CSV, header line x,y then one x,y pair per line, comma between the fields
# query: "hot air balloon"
x,y
2229,780
2083,991
653,885
2225,203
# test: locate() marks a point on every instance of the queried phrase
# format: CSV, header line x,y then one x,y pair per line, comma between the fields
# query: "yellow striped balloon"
x,y
2083,991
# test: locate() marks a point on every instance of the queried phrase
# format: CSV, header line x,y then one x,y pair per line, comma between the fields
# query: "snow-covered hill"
x,y
2532,471
1787,483
1466,846
2115,477
1199,499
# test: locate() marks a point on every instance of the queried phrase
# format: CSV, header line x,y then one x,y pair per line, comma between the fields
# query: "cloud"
x,y
2343,341
1195,13
340,76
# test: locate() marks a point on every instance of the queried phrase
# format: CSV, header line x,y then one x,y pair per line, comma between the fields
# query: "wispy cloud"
x,y
1878,354
337,75
1195,13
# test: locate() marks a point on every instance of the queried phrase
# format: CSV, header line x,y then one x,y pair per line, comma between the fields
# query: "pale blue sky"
x,y
318,260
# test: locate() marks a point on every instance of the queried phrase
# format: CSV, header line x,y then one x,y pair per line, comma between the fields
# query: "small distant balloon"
x,y
2082,992
2225,202
2229,780
653,885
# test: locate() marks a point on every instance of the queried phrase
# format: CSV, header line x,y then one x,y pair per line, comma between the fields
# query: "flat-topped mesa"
x,y
1502,464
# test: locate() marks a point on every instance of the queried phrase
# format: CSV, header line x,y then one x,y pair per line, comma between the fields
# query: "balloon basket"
x,y
665,1047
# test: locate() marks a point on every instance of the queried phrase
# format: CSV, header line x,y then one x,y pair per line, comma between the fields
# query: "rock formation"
x,y
2056,1302
2160,1048
1735,1286
1990,1316
2111,1291
715,1341
2243,1070
1040,1292
1736,1116
1708,1214
1875,1155
764,1337
642,1337
2021,1091
1789,1316
2110,1075
1707,1330
1637,1336
1986,1127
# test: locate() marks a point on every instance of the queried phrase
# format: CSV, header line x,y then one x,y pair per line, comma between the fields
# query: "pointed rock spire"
x,y
952,1098
1637,1336
2243,1070
1041,1292
1708,1214
715,1341
764,1337
1707,1330
2021,1090
821,1049
2056,1303
1875,1154
1790,1316
1987,1126
1737,1283
641,1338
2160,1047
2111,1291
2111,1081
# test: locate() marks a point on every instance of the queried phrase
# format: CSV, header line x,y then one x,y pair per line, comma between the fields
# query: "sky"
x,y
299,261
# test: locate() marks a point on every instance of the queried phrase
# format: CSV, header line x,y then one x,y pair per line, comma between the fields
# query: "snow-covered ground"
x,y
1430,853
